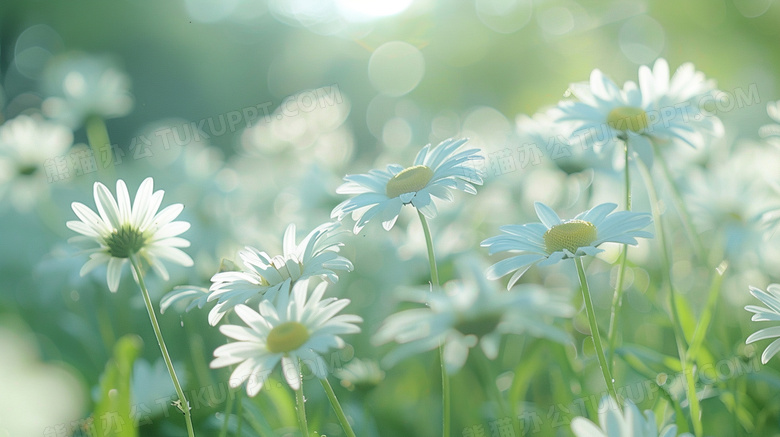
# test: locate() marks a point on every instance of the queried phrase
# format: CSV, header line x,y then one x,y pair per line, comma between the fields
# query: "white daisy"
x,y
294,330
628,423
266,277
658,109
680,99
28,149
81,86
382,193
467,313
736,203
122,231
770,298
554,239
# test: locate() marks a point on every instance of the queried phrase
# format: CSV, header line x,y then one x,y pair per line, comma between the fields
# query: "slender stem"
x,y
431,255
334,402
300,404
97,135
617,298
682,209
185,406
679,334
228,410
239,412
445,380
594,329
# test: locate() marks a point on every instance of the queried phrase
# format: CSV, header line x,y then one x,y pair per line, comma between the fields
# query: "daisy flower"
x,y
737,203
468,313
554,239
266,276
680,98
382,193
770,298
658,109
81,86
628,423
122,231
28,148
292,331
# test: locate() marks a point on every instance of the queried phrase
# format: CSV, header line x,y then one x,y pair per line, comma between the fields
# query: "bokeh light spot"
x,y
396,68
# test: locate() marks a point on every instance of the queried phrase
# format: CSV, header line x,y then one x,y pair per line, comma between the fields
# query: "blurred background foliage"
x,y
407,72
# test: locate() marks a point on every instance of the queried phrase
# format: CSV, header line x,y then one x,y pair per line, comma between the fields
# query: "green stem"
x,y
682,209
301,409
334,402
228,409
239,412
617,299
679,334
431,255
594,329
97,135
445,380
185,406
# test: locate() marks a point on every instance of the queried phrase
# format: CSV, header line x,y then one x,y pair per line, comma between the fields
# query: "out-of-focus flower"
x,y
471,312
551,137
772,131
80,86
37,397
308,127
267,277
554,239
360,374
122,231
382,193
29,152
737,202
294,330
627,423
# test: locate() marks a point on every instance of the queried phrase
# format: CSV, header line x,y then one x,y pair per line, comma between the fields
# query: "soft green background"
x,y
185,68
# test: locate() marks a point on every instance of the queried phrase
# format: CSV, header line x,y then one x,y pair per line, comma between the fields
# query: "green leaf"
x,y
705,318
649,364
647,361
256,419
112,412
686,316
738,409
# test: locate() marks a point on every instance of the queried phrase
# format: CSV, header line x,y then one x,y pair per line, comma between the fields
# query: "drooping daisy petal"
x,y
266,277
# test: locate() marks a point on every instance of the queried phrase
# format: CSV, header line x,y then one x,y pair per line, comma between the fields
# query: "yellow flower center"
x,y
627,118
409,180
570,235
287,337
125,241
